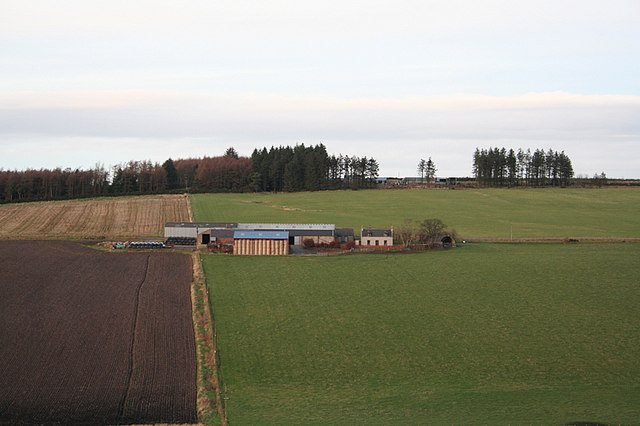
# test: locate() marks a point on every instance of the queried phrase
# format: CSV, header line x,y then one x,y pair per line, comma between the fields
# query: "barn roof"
x,y
218,225
261,235
344,232
288,226
222,233
295,229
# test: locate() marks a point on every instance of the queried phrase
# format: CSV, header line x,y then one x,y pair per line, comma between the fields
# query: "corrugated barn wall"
x,y
261,247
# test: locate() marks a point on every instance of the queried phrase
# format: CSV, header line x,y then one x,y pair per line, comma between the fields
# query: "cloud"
x,y
273,102
397,131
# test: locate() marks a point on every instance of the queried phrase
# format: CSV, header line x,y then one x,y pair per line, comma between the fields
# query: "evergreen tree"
x,y
231,152
372,170
172,174
512,170
430,170
422,167
497,167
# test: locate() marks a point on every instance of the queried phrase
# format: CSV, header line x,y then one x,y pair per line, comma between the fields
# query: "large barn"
x,y
192,233
298,232
227,233
262,243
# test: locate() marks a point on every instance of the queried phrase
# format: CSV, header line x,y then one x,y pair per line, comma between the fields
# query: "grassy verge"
x,y
209,403
486,333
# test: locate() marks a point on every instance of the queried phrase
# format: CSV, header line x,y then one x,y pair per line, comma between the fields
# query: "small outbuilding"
x,y
218,236
345,235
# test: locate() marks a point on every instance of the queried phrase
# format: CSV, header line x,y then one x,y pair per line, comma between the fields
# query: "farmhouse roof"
x,y
377,233
260,235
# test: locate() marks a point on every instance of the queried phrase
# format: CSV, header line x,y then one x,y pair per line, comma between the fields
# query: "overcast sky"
x,y
86,82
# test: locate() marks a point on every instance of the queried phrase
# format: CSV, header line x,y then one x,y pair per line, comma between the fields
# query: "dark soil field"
x,y
95,337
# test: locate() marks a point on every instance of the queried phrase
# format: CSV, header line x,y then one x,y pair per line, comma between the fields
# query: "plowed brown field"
x,y
121,217
95,337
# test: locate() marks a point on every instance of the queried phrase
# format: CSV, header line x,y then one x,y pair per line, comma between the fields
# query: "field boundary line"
x,y
206,350
189,210
562,240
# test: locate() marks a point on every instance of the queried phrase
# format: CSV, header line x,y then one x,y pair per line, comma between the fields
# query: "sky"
x,y
103,82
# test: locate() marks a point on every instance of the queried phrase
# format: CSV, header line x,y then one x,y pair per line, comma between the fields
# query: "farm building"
x,y
376,237
298,232
389,181
344,235
184,233
450,181
215,235
204,233
265,243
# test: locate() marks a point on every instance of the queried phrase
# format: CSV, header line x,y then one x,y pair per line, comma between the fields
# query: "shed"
x,y
194,230
220,236
344,235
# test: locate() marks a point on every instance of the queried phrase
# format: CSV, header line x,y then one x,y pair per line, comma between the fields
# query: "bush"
x,y
308,243
334,244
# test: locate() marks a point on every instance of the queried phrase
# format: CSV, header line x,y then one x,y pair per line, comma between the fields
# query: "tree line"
x,y
499,167
56,184
309,168
300,168
208,174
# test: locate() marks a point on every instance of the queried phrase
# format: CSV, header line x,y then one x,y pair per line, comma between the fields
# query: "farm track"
x,y
134,331
123,217
68,354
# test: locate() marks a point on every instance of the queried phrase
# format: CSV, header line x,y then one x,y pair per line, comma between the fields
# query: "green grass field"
x,y
485,213
485,333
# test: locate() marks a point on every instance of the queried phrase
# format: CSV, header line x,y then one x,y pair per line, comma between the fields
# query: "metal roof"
x,y
255,226
344,232
260,235
310,233
289,226
222,233
218,225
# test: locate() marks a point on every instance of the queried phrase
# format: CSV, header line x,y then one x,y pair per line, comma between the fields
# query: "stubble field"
x,y
94,338
122,217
